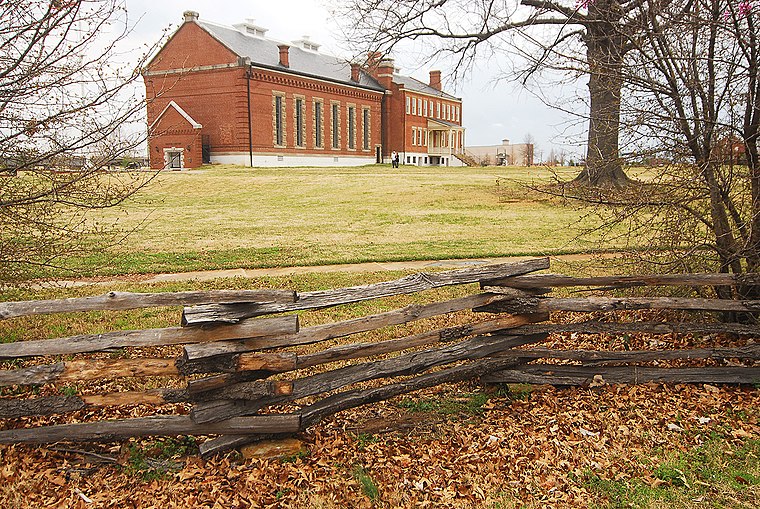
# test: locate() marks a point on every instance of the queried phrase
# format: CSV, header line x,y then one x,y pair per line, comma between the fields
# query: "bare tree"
x,y
69,107
692,84
592,40
530,148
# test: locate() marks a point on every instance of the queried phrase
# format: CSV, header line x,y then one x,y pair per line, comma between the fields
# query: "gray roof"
x,y
265,52
418,86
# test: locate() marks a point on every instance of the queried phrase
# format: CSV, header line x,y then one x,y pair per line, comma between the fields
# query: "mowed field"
x,y
226,217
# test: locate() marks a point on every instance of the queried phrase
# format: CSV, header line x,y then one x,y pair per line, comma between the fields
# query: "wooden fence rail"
x,y
236,365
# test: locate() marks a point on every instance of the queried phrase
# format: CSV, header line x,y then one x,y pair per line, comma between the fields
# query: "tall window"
x,y
424,106
408,106
414,106
365,132
318,124
439,110
351,127
419,106
414,135
299,123
335,131
278,120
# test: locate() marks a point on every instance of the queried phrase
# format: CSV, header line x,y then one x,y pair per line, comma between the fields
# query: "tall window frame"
x,y
335,125
351,115
365,128
318,123
299,121
278,112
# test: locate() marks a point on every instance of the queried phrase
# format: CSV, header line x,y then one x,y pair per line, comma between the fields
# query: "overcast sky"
x,y
491,111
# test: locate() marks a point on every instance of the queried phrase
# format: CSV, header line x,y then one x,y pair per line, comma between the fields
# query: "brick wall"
x,y
174,133
216,98
189,47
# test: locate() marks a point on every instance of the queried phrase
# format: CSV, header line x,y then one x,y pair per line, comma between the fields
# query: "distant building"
x,y
506,154
232,95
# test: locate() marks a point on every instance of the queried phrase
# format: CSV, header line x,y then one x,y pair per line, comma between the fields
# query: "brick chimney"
x,y
384,74
284,55
190,16
435,80
373,58
355,72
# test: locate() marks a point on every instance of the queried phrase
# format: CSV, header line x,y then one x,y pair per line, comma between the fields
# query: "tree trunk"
x,y
604,51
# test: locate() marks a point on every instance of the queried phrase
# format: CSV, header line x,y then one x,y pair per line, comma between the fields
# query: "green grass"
x,y
227,217
715,474
450,405
158,458
369,488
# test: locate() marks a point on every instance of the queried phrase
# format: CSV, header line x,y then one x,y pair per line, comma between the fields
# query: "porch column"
x,y
448,162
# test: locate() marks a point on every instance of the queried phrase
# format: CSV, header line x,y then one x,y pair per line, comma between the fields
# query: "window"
x,y
425,138
419,106
335,127
365,132
414,135
318,124
414,106
299,122
457,113
408,106
351,127
424,106
279,120
439,110
448,112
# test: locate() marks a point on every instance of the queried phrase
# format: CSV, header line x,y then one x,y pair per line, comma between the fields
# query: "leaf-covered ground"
x,y
538,447
459,445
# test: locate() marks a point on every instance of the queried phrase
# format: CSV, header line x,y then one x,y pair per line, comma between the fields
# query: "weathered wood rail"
x,y
236,364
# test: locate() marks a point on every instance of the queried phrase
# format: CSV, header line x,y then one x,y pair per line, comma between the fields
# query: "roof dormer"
x,y
306,43
250,28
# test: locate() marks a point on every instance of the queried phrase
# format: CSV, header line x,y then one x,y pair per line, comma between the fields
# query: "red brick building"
x,y
232,95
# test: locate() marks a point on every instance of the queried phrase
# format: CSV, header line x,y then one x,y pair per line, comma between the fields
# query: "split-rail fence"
x,y
239,368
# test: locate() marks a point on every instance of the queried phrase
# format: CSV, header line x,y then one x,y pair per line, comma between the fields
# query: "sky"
x,y
492,110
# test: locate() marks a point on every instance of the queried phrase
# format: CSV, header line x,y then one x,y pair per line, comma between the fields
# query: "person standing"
x,y
394,159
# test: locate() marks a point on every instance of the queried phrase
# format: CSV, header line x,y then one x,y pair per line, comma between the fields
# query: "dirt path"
x,y
207,275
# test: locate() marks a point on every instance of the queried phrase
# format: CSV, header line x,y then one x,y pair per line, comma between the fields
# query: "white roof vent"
x,y
306,43
250,28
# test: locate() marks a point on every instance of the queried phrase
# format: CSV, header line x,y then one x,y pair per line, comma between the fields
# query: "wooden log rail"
x,y
225,337
120,301
232,313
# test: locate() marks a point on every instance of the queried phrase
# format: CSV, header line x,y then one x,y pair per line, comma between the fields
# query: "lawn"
x,y
226,217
